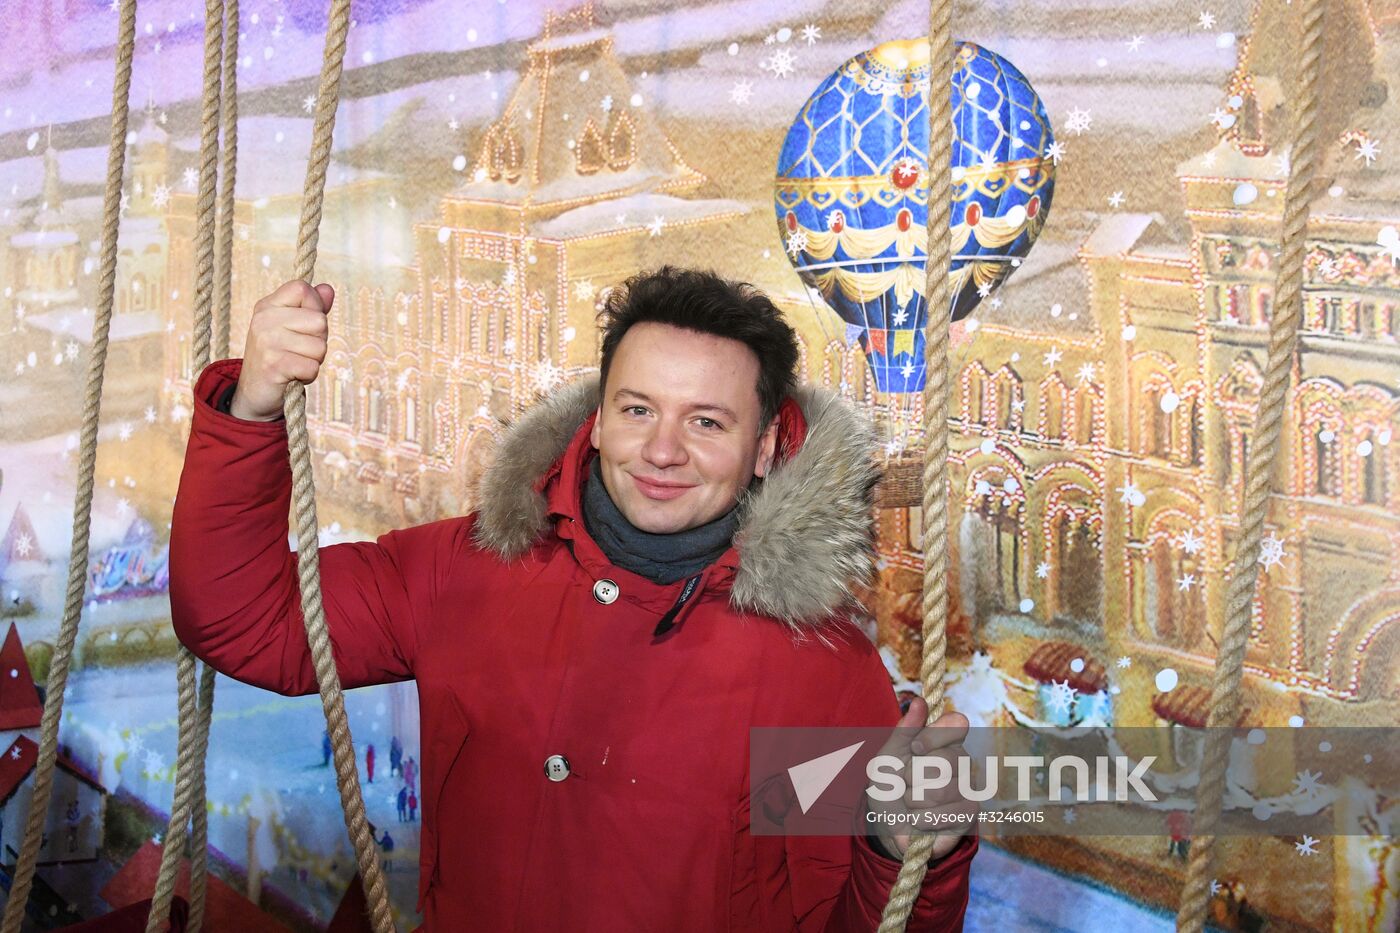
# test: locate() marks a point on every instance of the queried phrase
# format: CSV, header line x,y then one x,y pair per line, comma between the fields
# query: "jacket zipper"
x,y
668,621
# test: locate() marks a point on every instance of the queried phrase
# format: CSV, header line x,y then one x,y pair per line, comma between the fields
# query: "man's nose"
x,y
664,447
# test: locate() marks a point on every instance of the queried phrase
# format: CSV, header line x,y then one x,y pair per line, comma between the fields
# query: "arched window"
x,y
974,394
1010,399
622,142
588,150
1079,571
1328,480
1251,123
1086,411
1195,442
410,419
1156,423
505,155
376,421
514,156
1174,594
990,546
1238,460
1005,518
343,398
1374,481
139,292
1052,408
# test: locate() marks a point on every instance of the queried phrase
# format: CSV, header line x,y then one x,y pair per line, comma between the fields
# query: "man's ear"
x,y
767,447
597,431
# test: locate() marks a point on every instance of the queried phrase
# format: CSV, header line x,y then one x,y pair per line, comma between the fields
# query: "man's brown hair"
x,y
702,301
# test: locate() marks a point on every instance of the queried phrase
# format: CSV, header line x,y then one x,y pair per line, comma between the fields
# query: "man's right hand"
x,y
286,341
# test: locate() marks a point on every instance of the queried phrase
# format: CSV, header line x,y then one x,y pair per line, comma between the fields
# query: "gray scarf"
x,y
661,558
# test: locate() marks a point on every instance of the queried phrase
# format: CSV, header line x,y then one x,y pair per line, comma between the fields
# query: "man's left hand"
x,y
941,810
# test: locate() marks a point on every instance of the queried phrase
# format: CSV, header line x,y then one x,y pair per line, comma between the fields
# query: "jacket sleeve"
x,y
234,595
839,883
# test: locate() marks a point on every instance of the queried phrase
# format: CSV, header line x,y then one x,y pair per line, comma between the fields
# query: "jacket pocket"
x,y
445,730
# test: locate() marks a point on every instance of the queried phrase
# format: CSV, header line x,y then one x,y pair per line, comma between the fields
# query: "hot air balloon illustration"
x,y
851,192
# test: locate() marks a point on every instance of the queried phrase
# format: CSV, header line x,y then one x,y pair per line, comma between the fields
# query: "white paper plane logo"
x,y
811,778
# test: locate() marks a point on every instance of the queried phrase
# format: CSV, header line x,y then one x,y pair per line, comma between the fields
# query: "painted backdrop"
x,y
498,166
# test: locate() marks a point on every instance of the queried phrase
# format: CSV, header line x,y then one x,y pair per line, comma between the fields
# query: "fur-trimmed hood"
x,y
805,541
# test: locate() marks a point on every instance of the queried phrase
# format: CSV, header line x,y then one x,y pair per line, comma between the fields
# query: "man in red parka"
x,y
663,557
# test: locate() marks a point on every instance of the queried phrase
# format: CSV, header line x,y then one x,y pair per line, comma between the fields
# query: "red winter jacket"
x,y
516,661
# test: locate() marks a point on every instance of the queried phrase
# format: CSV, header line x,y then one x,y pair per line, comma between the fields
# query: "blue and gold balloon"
x,y
852,192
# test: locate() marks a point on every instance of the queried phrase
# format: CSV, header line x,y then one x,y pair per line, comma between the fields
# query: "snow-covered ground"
x,y
264,760
1010,895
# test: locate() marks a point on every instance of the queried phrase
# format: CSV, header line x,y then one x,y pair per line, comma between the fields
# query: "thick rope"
x,y
87,464
1258,470
228,175
189,790
304,493
208,182
935,398
199,832
223,300
174,839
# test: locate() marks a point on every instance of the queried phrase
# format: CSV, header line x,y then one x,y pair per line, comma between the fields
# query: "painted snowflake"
x,y
781,63
1078,120
1061,697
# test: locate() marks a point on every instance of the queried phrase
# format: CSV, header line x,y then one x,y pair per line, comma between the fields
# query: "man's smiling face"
x,y
678,428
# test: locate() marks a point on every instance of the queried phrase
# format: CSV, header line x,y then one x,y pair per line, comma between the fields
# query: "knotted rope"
x,y
87,464
1244,573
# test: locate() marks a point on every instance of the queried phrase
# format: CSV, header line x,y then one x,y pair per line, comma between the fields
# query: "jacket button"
x,y
556,767
605,591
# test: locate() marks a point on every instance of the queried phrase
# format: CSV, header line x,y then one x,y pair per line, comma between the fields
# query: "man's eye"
x,y
631,408
710,424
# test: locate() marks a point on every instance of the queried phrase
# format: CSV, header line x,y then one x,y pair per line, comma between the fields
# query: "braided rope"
x,y
208,182
189,790
228,175
1283,340
935,398
223,301
199,833
87,463
173,841
304,493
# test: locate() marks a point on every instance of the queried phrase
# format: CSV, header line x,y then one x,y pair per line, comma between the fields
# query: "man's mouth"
x,y
660,490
